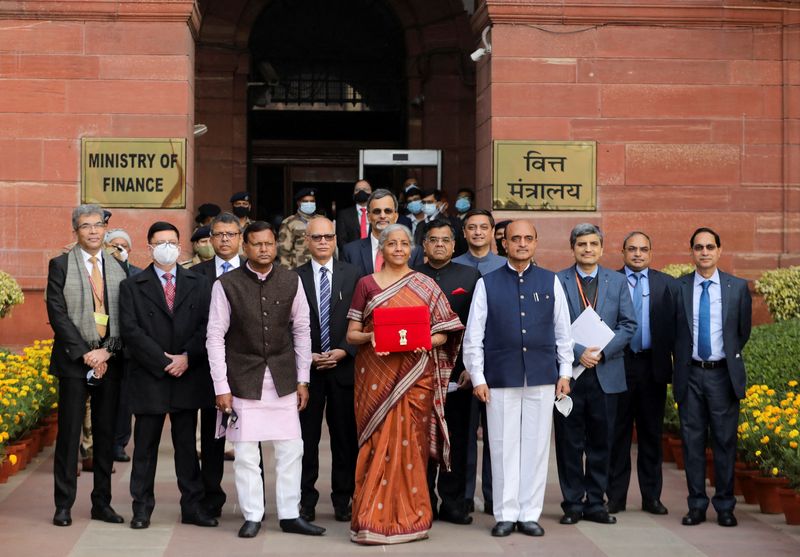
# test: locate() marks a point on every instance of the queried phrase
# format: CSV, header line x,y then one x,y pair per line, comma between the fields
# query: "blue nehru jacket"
x,y
520,341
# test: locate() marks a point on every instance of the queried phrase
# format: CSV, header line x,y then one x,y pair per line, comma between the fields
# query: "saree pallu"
x,y
399,407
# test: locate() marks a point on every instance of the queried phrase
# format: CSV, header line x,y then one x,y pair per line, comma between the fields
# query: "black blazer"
x,y
736,323
149,330
348,226
359,253
345,277
209,270
68,344
662,324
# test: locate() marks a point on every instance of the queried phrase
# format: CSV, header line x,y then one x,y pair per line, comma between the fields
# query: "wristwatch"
x,y
302,383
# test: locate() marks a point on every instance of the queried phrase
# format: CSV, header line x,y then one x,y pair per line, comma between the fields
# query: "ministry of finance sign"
x,y
145,173
544,176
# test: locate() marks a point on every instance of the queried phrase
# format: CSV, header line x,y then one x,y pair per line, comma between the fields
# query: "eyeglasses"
x,y
227,419
225,235
262,245
378,211
446,240
86,226
320,237
518,239
701,247
173,244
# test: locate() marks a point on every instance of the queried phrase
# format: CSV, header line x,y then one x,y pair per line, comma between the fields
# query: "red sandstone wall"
x,y
696,123
129,73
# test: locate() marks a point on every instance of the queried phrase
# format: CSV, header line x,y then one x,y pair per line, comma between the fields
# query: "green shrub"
x,y
772,353
676,270
781,291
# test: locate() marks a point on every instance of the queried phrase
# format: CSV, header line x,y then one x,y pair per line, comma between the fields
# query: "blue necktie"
x,y
226,267
324,309
636,341
704,323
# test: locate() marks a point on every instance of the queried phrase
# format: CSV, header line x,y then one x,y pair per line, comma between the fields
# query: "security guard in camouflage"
x,y
292,249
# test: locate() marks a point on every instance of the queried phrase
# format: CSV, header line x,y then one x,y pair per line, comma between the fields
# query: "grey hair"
x,y
83,210
636,233
584,229
115,233
226,218
391,228
380,193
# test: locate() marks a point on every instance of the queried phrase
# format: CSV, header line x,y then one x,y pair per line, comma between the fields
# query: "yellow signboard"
x,y
143,173
544,176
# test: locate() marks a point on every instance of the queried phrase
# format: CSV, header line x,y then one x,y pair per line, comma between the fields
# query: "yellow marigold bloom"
x,y
765,440
758,452
793,421
793,444
771,392
793,383
778,429
756,413
775,471
12,459
794,433
745,426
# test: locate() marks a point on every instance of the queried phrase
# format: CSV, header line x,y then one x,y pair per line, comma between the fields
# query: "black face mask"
x,y
241,212
361,197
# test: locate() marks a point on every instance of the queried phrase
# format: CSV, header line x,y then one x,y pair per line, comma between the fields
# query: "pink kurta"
x,y
273,417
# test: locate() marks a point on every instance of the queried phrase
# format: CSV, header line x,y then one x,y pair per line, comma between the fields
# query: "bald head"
x,y
520,242
320,239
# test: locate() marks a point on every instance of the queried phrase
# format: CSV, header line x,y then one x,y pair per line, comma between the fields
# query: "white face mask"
x,y
122,254
166,254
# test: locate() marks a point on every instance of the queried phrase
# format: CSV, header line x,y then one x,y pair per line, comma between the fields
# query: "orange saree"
x,y
399,407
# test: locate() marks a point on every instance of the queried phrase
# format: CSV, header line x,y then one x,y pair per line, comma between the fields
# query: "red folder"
x,y
402,329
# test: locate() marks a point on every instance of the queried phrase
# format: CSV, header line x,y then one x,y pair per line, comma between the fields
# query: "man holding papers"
x,y
600,372
517,350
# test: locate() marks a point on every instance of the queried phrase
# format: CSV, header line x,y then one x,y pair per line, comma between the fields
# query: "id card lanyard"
x,y
586,303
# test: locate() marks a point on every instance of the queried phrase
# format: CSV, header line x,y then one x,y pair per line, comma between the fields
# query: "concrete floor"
x,y
26,509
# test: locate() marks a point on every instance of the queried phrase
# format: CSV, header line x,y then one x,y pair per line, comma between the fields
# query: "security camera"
x,y
485,49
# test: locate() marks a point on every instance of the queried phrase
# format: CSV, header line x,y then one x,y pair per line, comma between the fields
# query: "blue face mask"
x,y
308,207
414,207
463,204
429,209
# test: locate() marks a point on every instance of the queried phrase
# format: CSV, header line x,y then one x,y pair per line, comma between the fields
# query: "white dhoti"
x,y
250,486
519,421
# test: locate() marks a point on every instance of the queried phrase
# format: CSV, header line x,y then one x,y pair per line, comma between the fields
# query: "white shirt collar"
x,y
315,266
629,272
161,272
699,279
219,262
87,255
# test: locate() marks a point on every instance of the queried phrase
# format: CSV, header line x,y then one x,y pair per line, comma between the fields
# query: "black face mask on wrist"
x,y
241,212
361,197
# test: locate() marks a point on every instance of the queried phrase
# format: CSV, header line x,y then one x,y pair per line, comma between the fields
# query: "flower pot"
x,y
790,502
710,468
50,433
35,435
767,489
666,450
737,483
5,471
27,454
677,451
18,450
748,485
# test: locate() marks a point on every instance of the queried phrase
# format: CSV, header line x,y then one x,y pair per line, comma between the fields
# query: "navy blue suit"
x,y
359,253
588,428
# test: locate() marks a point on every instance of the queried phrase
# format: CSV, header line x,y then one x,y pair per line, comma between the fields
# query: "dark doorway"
x,y
327,78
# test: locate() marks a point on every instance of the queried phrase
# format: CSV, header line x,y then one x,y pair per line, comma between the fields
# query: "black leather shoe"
x,y
63,517
106,514
614,508
214,512
341,515
653,507
140,522
694,517
600,517
199,519
120,455
249,529
488,507
503,529
570,518
726,518
530,528
300,526
308,513
453,516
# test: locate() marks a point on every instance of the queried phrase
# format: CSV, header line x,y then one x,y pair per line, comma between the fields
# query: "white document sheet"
x,y
589,330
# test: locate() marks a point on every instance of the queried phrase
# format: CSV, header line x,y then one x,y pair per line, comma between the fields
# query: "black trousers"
x,y
710,402
477,418
587,431
326,397
642,404
122,427
146,439
72,394
212,461
452,485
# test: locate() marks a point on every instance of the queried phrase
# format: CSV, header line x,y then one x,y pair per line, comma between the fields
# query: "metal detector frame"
x,y
401,157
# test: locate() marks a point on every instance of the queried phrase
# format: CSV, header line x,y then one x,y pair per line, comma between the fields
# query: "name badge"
x,y
101,318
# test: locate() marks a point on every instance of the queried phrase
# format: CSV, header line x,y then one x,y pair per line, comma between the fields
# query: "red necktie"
x,y
363,222
378,261
169,290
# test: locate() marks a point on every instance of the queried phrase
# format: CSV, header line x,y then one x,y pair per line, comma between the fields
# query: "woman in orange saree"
x,y
399,400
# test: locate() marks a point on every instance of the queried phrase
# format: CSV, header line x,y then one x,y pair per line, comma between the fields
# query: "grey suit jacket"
x,y
736,323
616,310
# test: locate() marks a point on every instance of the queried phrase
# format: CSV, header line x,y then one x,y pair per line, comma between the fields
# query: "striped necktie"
x,y
324,309
169,290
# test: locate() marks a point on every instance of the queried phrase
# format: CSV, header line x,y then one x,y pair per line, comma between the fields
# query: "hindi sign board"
x,y
544,176
147,173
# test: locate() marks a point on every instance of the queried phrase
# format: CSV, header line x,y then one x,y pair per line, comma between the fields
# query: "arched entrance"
x,y
291,90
